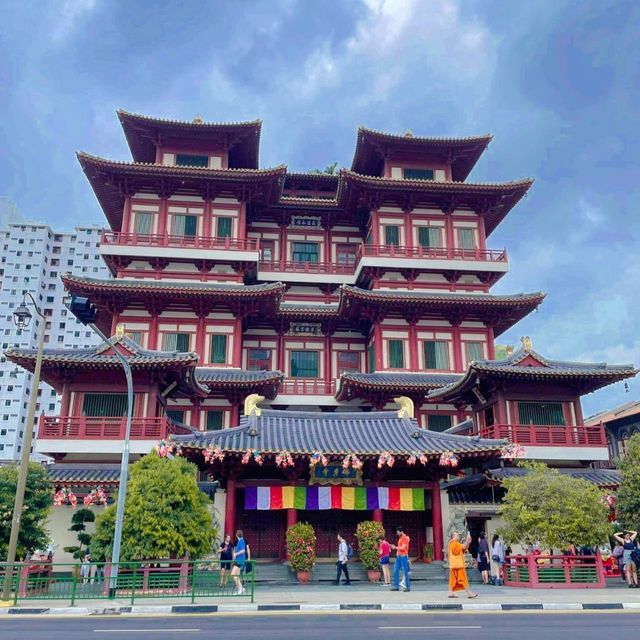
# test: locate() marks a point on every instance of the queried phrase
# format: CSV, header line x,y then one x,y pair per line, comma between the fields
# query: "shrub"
x,y
301,546
369,534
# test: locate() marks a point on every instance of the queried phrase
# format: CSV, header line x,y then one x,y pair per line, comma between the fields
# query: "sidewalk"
x,y
328,598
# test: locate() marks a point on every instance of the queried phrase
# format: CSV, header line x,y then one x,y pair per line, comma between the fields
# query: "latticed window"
x,y
348,361
175,342
304,364
305,252
144,222
540,413
259,359
436,355
223,227
106,405
474,350
467,238
418,174
430,237
176,415
439,422
184,225
218,349
396,354
135,336
392,235
214,420
189,160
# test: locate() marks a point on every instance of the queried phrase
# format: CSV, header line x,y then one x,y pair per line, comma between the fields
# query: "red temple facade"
x,y
326,294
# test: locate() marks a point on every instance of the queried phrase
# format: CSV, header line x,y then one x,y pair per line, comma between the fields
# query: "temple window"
x,y
223,227
430,237
371,352
542,413
218,349
436,355
392,235
304,364
474,350
176,415
346,253
466,238
439,422
143,222
188,160
417,174
214,420
348,361
104,404
175,341
184,225
135,336
268,250
396,354
306,252
259,359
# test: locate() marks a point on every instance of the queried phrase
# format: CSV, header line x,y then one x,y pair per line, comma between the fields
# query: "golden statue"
x,y
251,403
406,407
120,329
527,345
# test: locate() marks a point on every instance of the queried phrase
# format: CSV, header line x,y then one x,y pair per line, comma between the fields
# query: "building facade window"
x,y
305,252
396,354
186,226
467,238
104,405
417,174
348,361
218,349
304,364
392,235
223,227
144,223
474,350
175,342
436,355
214,420
190,160
259,359
439,422
176,415
430,237
542,413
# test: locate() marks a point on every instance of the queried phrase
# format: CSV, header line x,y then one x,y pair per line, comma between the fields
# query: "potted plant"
x,y
301,547
427,553
369,534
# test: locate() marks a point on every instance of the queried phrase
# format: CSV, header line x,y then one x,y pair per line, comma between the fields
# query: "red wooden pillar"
x,y
242,221
491,347
375,229
235,415
501,408
413,348
152,342
162,217
283,247
230,509
236,360
206,223
408,235
578,410
280,352
458,365
126,216
377,515
377,341
196,411
327,359
64,403
200,338
436,521
448,231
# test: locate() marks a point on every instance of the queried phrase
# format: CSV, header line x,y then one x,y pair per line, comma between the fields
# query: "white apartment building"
x,y
32,259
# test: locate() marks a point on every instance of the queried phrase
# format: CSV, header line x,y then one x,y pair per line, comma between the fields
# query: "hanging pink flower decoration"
x,y
448,459
610,500
59,497
164,448
211,454
284,460
318,458
351,460
385,459
411,460
96,496
423,459
252,453
73,499
512,450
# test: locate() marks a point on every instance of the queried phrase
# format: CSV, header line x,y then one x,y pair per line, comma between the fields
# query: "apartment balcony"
x,y
306,391
142,245
331,272
491,261
553,442
77,435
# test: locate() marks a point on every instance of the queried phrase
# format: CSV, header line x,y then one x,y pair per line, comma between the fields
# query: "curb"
x,y
297,608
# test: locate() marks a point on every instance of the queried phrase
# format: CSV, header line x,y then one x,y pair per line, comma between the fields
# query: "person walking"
x,y
458,580
343,559
225,553
240,557
85,567
402,561
497,560
483,558
629,546
383,554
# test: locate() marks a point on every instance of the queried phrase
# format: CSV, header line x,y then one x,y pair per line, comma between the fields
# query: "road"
x,y
361,626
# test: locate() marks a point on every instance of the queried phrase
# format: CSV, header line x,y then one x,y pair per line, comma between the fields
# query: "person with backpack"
x,y
344,553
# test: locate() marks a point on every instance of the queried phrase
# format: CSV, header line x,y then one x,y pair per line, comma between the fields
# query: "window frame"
x,y
390,355
304,352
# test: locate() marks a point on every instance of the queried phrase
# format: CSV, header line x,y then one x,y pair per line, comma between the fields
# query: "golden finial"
x,y
120,328
527,345
251,403
406,407
198,119
408,133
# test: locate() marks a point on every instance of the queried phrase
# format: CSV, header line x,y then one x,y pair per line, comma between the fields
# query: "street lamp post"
x,y
87,313
22,317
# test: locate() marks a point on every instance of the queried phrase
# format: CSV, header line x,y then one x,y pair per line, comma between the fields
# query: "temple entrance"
x,y
414,524
329,523
264,531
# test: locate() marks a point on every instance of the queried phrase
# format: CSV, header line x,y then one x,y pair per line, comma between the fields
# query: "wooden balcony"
x,y
432,253
307,387
547,435
98,428
129,240
323,268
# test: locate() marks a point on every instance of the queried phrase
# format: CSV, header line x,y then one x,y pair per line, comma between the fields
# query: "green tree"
x,y
331,169
37,503
628,504
166,515
553,508
79,520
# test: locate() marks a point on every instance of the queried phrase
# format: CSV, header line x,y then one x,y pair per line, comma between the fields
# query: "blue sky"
x,y
555,81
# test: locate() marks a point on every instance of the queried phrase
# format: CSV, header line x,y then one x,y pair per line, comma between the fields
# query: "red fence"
x,y
548,435
431,253
554,572
308,267
97,428
308,387
185,242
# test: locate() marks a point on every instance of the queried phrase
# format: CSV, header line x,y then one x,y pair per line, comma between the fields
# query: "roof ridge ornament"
x,y
406,407
120,329
527,345
198,119
251,403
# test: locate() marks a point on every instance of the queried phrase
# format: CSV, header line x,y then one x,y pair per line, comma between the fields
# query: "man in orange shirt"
x,y
402,561
458,580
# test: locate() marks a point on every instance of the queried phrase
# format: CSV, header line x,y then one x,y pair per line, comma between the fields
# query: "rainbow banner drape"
x,y
349,498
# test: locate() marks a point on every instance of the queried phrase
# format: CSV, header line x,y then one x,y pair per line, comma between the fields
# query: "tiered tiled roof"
x,y
365,434
143,134
526,364
111,179
462,152
264,382
353,385
79,476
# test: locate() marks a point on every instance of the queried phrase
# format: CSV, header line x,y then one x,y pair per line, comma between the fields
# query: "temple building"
x,y
327,296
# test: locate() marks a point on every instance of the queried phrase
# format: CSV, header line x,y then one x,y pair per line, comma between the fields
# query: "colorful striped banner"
x,y
314,498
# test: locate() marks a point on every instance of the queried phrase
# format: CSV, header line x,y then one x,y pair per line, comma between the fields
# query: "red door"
x,y
414,525
328,524
263,531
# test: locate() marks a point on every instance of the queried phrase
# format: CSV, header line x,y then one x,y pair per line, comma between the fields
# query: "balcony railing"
x,y
307,387
327,268
182,242
98,428
547,435
430,253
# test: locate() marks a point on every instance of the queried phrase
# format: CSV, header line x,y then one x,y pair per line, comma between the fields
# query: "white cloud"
x,y
69,13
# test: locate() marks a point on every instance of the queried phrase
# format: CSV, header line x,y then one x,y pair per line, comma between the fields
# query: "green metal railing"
x,y
135,581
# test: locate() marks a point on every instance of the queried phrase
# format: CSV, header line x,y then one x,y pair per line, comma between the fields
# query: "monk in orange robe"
x,y
458,580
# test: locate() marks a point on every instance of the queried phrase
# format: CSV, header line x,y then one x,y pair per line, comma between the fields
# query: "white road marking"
x,y
434,627
146,630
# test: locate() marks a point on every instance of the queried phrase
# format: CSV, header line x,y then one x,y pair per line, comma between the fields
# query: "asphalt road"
x,y
361,626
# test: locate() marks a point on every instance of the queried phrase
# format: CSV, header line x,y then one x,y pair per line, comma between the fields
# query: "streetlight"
x,y
22,317
87,313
